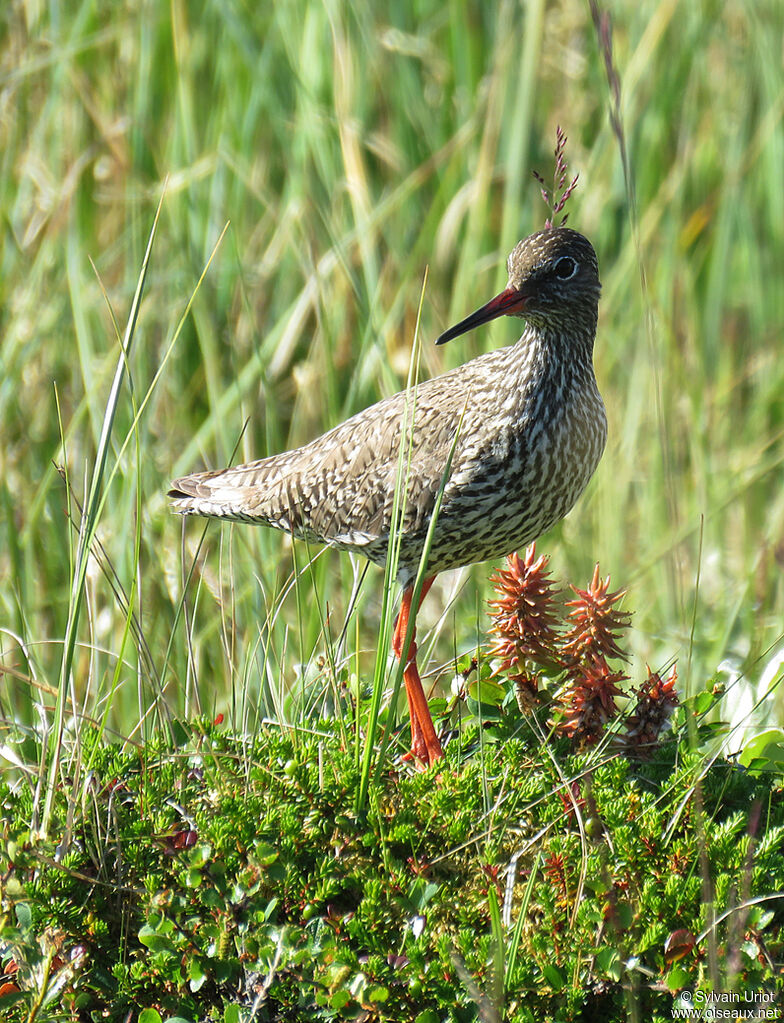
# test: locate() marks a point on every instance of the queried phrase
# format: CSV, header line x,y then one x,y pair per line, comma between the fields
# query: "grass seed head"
x,y
557,196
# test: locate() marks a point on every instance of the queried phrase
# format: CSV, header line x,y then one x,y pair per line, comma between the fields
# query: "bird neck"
x,y
562,351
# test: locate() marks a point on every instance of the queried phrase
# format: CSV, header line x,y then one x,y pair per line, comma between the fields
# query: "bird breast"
x,y
521,467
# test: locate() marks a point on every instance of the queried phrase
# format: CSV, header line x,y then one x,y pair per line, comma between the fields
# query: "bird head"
x,y
553,282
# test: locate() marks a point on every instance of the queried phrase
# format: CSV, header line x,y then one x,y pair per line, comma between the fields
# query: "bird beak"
x,y
510,302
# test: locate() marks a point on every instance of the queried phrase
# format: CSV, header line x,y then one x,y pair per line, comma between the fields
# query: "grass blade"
x,y
87,529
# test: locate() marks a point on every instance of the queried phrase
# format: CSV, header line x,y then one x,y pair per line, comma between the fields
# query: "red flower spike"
x,y
597,625
657,699
555,871
588,703
523,618
570,802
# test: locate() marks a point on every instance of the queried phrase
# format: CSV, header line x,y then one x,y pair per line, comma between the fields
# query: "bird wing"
x,y
340,487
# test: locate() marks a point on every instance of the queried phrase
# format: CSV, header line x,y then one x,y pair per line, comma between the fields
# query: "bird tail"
x,y
212,494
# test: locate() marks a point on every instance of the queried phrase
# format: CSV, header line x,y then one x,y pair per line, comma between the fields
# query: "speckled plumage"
x,y
533,429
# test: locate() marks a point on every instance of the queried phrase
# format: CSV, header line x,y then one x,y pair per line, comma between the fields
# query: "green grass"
x,y
349,148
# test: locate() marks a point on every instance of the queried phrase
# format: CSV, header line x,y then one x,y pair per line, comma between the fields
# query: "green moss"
x,y
244,871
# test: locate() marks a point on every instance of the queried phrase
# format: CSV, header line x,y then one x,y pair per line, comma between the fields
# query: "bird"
x,y
524,426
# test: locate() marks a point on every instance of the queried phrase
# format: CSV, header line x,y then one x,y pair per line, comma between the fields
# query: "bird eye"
x,y
566,268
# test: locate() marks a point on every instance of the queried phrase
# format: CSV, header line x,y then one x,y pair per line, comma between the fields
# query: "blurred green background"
x,y
350,146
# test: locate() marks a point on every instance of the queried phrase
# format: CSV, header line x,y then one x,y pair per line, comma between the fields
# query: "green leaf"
x,y
149,1016
703,702
464,662
156,939
759,918
266,854
608,960
357,987
750,950
340,999
624,914
487,711
437,706
23,916
421,892
553,976
765,752
677,978
487,691
427,1016
197,975
200,855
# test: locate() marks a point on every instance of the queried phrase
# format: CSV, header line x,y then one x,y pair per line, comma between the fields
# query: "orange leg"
x,y
424,741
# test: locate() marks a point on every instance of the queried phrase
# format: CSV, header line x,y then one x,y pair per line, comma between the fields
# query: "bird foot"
x,y
425,744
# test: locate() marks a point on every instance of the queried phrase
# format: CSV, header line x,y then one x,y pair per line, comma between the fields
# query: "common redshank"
x,y
530,427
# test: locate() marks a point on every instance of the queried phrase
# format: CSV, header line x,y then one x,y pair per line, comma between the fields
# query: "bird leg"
x,y
424,741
